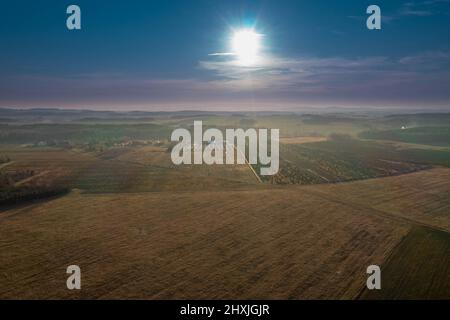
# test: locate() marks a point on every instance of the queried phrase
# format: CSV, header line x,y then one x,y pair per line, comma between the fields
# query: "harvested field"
x,y
289,243
124,170
422,197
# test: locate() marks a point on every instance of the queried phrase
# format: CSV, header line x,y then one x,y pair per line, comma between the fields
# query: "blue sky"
x,y
156,55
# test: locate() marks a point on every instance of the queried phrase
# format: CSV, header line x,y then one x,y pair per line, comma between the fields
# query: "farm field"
x,y
292,243
422,197
435,136
100,190
351,159
120,170
149,168
419,267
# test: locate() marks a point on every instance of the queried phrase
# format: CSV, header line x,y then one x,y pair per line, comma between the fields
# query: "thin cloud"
x,y
424,8
421,79
413,9
423,76
222,54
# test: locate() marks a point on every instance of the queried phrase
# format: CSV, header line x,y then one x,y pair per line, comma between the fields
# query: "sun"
x,y
246,45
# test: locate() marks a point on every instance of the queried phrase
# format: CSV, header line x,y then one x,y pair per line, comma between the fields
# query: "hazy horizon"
x,y
306,109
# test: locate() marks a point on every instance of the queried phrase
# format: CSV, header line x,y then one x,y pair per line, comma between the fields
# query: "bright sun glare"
x,y
246,45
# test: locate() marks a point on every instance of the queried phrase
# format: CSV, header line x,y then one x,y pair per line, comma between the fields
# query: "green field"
x,y
351,159
419,268
435,136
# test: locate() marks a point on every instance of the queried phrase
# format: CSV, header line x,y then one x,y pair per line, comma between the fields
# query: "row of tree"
x,y
12,196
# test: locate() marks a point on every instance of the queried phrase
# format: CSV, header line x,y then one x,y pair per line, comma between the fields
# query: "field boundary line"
x,y
248,163
388,258
378,212
21,182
